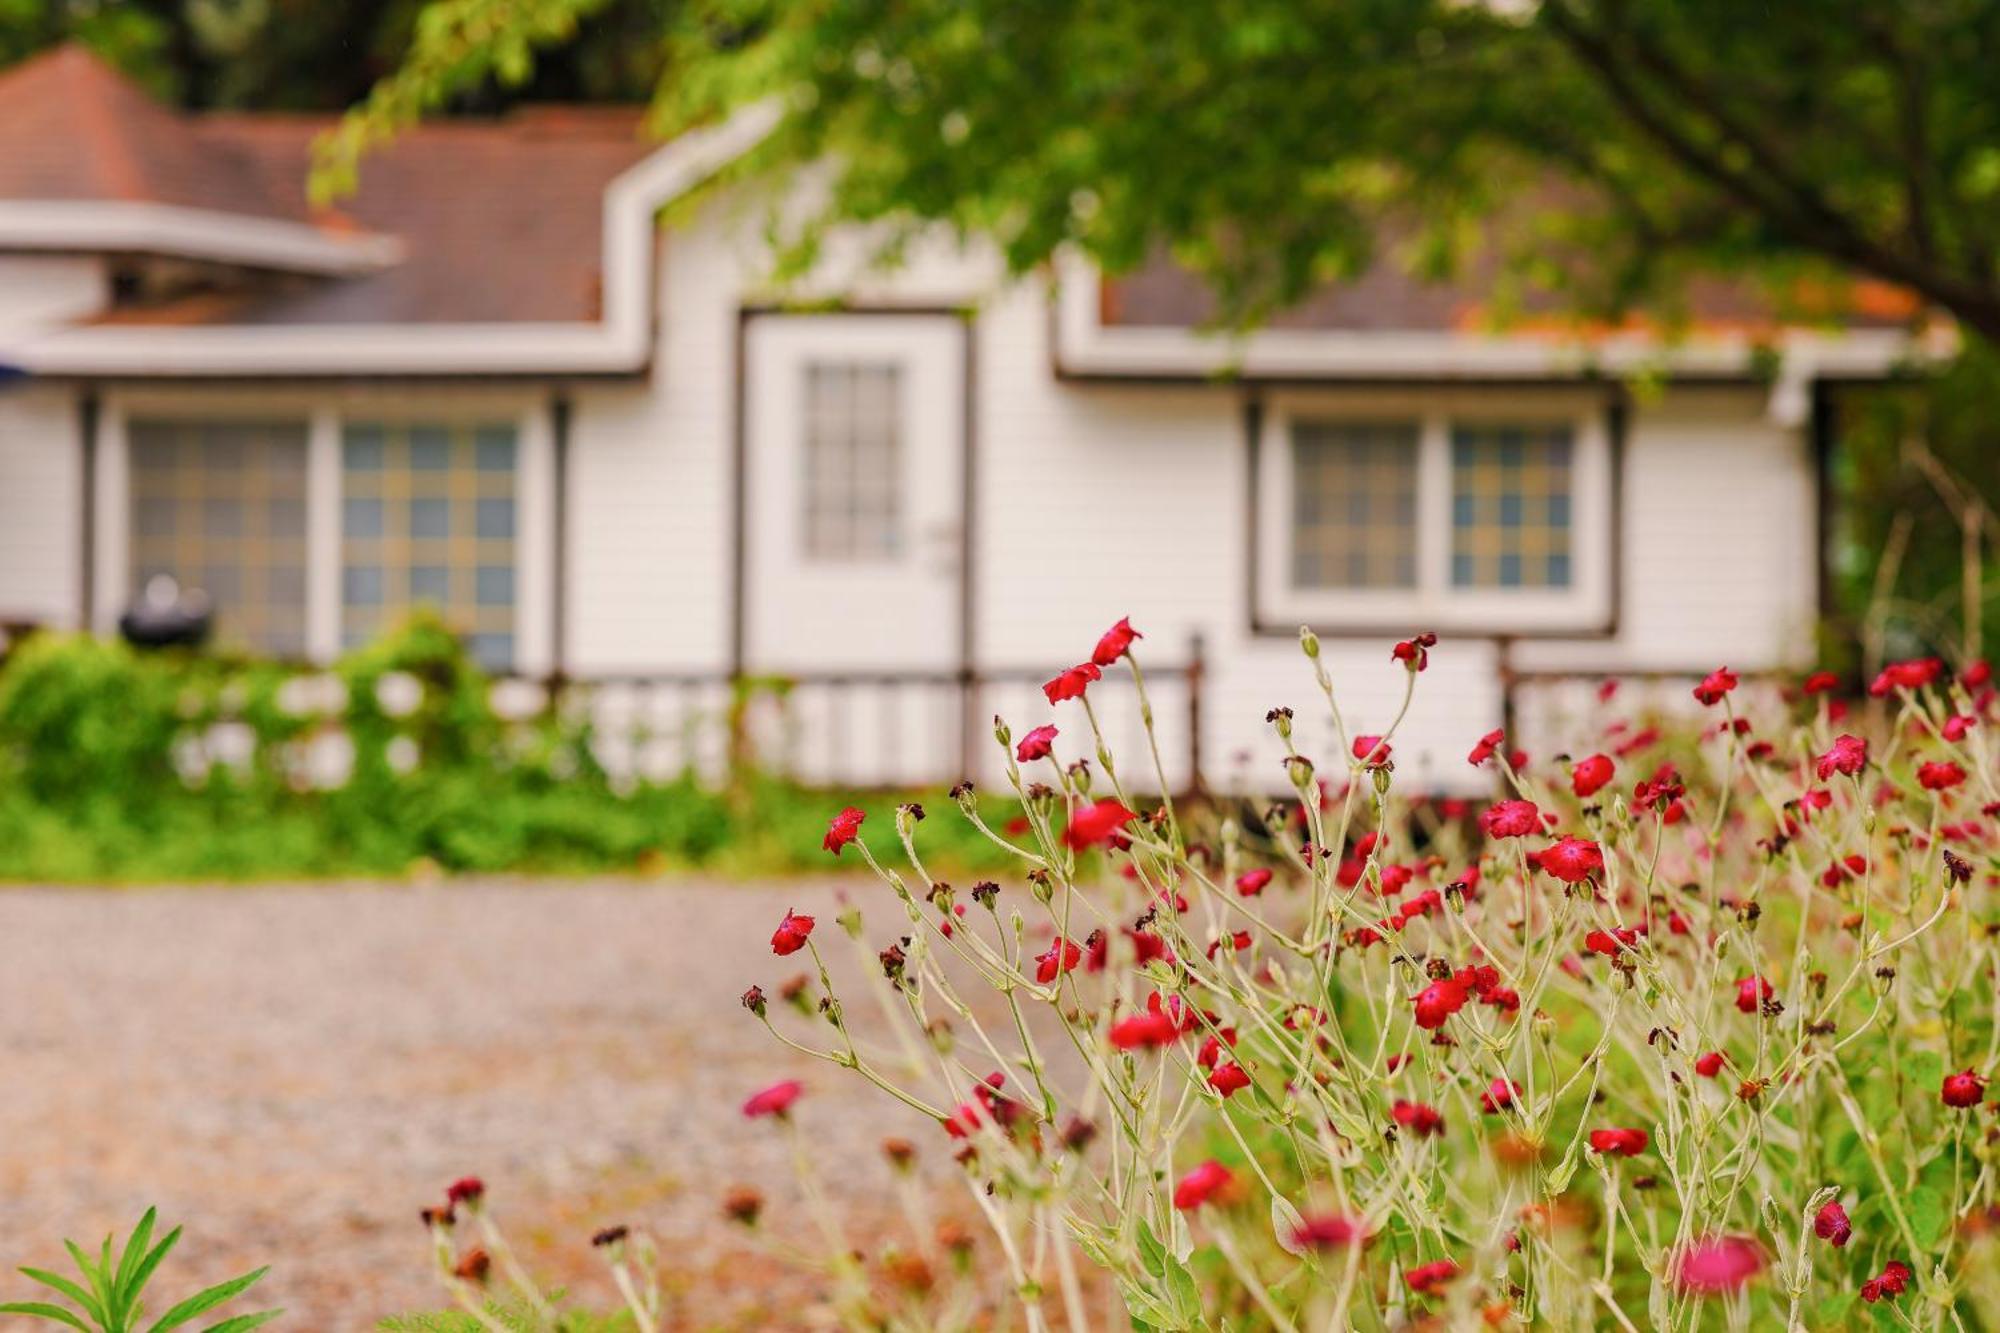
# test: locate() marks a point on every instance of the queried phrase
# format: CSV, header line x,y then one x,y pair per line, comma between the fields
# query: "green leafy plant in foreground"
x,y
108,1299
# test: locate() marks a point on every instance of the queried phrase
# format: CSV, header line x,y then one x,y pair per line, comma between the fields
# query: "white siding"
x,y
40,290
40,505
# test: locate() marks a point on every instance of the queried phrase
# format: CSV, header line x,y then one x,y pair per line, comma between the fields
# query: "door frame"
x,y
966,321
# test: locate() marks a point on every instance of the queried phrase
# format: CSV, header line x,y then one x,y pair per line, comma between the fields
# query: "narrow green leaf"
x,y
204,1301
58,1282
42,1310
152,1261
135,1250
243,1323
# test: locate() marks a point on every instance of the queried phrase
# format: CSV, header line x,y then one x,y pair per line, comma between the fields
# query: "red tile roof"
x,y
499,220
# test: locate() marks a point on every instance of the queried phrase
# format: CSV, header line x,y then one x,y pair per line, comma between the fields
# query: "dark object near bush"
x,y
167,616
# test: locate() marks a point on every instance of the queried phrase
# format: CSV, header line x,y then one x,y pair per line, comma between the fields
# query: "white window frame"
x,y
1584,607
325,411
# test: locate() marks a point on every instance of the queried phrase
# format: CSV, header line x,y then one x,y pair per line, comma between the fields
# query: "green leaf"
x,y
243,1323
204,1301
1928,1215
1286,1225
123,1292
42,1310
152,1261
58,1282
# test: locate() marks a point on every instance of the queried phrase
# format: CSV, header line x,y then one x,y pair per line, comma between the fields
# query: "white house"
x,y
607,449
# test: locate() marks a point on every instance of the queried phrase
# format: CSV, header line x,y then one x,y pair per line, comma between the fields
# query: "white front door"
x,y
854,454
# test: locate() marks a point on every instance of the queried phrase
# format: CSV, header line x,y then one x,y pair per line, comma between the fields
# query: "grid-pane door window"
x,y
220,507
429,513
1354,505
1511,498
852,496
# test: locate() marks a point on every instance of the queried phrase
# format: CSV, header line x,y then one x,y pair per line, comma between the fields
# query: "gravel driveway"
x,y
292,1072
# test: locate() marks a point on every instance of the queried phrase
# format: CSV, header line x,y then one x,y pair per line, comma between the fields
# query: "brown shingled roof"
x,y
500,220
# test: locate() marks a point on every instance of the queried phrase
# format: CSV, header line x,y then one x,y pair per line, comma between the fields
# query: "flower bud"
x,y
1281,721
1300,770
850,921
1383,776
1001,731
1309,642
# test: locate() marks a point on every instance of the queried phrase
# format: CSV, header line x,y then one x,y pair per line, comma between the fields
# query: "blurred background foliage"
x,y
119,765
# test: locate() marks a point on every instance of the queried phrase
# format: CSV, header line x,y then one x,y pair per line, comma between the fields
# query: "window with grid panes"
x,y
1354,504
853,469
428,517
220,507
1510,506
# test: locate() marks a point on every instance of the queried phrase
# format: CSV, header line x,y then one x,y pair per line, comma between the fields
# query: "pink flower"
x,y
791,934
1830,1224
1895,1279
1848,754
1499,1095
1720,1263
845,828
1072,683
1098,822
1590,775
1963,1089
1511,819
1716,684
1751,992
1420,1118
1415,653
1430,1276
1572,859
1036,744
1911,675
1371,750
1624,1142
1252,882
1061,957
775,1100
1117,641
1939,775
1489,745
1956,726
1229,1079
1200,1185
1819,682
1327,1231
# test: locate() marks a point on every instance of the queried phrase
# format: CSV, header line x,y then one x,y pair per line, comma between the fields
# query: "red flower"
x,y
1612,942
1036,744
1710,1064
1911,675
1371,750
1716,684
466,1189
1072,683
1751,992
1062,957
1572,859
791,934
1097,822
1720,1263
1147,1028
1963,1089
1848,754
1415,653
1956,726
1590,775
1200,1185
1252,882
1976,673
1326,1232
1437,1002
1420,1118
1428,1277
1939,775
1499,1095
1229,1079
774,1100
1830,1224
1894,1281
1511,819
1489,745
1117,641
1819,682
1624,1142
845,828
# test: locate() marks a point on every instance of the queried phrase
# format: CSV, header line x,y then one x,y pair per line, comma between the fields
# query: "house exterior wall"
x,y
38,291
41,508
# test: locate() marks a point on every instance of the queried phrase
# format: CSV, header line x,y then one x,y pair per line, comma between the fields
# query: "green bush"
x,y
109,771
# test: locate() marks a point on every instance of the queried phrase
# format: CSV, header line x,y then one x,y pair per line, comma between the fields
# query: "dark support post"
x,y
1503,652
88,410
1824,428
1197,672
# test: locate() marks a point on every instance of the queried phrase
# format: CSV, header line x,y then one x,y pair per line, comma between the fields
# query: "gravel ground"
x,y
292,1072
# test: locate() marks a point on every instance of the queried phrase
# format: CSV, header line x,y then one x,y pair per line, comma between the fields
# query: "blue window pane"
x,y
494,652
494,585
430,449
361,518
430,518
1559,510
493,449
1559,571
430,583
222,518
1462,511
1510,510
494,518
1461,570
1510,570
361,451
361,585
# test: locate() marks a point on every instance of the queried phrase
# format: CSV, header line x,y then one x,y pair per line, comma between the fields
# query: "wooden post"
x,y
1197,670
